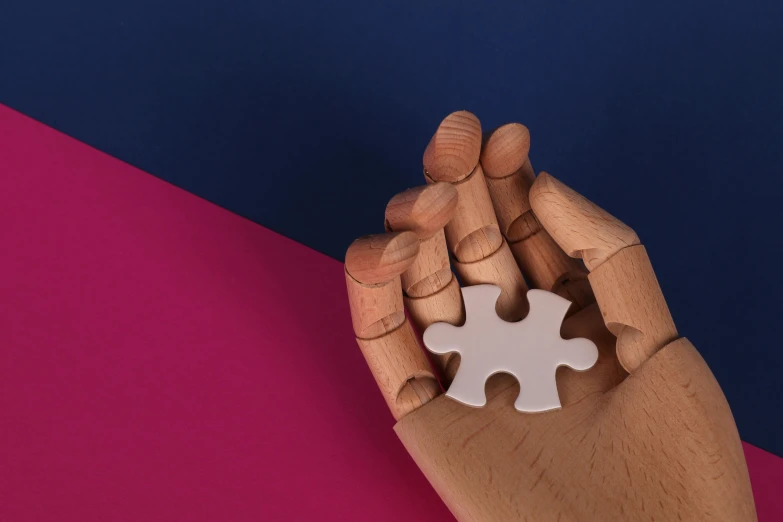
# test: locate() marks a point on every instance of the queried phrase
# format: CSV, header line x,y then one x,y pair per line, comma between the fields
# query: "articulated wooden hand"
x,y
646,434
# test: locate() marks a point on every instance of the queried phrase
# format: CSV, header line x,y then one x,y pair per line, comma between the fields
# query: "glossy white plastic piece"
x,y
530,350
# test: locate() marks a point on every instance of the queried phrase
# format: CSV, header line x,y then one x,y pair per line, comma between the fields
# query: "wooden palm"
x,y
644,435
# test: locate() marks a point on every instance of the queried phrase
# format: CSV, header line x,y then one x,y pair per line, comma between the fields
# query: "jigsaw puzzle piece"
x,y
547,311
537,392
531,350
480,302
442,338
468,386
578,354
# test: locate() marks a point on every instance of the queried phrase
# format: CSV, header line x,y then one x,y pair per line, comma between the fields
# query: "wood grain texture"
x,y
505,150
581,228
431,290
660,446
383,333
473,233
632,305
446,306
509,196
658,443
375,309
423,210
544,265
373,265
378,258
400,369
432,294
621,276
499,269
509,175
431,271
454,149
453,156
572,386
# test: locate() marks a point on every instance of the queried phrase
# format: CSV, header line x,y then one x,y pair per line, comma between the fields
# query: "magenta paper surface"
x,y
166,360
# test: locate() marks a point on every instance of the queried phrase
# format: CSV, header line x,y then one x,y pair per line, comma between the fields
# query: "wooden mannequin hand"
x,y
646,434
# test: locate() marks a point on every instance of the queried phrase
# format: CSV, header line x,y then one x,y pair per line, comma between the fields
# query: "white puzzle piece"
x,y
530,350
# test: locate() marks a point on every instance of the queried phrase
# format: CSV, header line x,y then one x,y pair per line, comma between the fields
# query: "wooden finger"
x,y
633,306
430,290
373,265
473,234
494,270
621,276
550,272
509,176
581,228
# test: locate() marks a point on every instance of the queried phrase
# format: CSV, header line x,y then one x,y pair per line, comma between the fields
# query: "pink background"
x,y
164,359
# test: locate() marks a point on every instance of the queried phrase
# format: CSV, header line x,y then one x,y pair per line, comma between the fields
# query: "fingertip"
x,y
454,150
433,338
423,210
380,258
505,150
545,183
545,197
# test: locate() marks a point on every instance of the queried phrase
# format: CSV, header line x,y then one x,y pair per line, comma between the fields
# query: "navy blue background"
x,y
307,116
